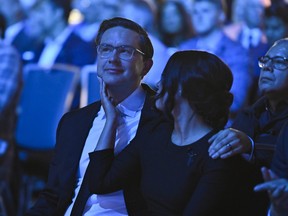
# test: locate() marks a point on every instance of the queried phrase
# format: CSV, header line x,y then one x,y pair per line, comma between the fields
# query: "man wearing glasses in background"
x,y
124,57
263,121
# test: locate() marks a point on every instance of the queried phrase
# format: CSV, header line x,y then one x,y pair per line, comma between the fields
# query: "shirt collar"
x,y
255,33
61,38
131,105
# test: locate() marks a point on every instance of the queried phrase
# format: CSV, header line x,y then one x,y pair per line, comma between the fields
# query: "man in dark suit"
x,y
124,57
48,19
263,121
56,42
255,131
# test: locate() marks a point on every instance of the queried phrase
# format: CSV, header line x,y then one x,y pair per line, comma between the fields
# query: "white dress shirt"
x,y
12,31
53,48
112,204
251,37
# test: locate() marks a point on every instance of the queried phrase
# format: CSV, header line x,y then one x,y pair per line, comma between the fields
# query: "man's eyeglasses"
x,y
124,52
278,62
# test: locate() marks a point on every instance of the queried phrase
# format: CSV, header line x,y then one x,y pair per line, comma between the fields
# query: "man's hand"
x,y
108,134
229,142
108,102
278,192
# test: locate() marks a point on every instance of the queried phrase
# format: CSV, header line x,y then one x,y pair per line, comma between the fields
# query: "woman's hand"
x,y
108,134
108,103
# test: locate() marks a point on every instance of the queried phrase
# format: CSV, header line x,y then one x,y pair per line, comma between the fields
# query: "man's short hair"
x,y
65,5
221,4
145,43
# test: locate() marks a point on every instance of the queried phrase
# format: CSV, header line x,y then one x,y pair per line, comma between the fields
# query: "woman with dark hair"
x,y
174,24
170,158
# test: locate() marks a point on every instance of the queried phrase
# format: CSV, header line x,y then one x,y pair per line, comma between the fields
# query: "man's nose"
x,y
268,66
114,55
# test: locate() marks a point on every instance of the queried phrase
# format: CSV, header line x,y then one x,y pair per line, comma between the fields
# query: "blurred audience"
x,y
2,26
49,19
208,17
14,15
249,29
88,26
249,32
237,11
143,12
174,24
16,32
93,12
263,121
10,87
276,21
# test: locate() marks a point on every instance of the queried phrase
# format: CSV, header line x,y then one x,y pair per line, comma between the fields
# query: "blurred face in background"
x,y
172,19
136,14
275,29
108,9
206,17
11,10
238,10
89,9
42,19
254,13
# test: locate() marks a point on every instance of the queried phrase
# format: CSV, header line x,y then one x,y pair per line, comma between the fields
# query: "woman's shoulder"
x,y
157,129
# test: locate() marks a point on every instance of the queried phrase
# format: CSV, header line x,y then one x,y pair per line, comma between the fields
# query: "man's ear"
x,y
147,66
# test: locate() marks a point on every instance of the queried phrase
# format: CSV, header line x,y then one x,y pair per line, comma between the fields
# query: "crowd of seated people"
x,y
208,18
41,34
10,89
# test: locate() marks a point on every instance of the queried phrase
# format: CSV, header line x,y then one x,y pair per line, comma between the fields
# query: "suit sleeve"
x,y
108,173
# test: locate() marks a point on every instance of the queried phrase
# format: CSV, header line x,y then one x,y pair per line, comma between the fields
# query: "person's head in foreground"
x,y
200,83
273,80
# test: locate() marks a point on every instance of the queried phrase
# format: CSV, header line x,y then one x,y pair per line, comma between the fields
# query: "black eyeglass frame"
x,y
263,60
132,49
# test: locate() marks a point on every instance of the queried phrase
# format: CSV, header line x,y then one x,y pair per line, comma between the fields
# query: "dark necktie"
x,y
82,197
250,41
